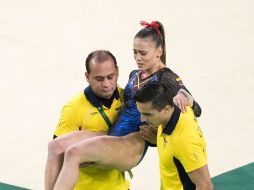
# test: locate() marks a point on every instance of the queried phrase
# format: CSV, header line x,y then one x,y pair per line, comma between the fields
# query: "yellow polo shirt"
x,y
81,114
182,149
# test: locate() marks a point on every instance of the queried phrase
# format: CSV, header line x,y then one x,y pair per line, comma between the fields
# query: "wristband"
x,y
186,94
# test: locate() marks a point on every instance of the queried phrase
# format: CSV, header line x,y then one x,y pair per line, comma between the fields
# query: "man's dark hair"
x,y
156,92
99,56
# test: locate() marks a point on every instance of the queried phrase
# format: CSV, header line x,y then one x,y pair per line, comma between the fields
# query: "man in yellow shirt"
x,y
180,142
95,110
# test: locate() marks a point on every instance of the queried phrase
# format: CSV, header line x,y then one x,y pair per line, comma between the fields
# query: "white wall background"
x,y
43,45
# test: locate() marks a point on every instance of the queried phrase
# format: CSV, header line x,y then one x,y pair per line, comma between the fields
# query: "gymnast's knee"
x,y
55,148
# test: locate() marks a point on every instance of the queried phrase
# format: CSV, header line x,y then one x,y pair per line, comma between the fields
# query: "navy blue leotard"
x,y
129,119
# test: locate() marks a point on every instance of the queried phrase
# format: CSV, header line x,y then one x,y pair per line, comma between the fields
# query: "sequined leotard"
x,y
129,119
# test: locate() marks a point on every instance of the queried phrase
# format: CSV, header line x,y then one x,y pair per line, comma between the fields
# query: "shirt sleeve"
x,y
191,154
68,121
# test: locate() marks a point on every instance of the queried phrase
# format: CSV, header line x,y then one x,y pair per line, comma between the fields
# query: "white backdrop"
x,y
43,45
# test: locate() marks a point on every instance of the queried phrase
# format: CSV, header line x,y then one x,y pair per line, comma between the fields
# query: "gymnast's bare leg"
x,y
122,153
56,149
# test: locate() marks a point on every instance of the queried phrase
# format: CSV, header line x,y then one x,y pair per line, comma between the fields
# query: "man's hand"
x,y
148,133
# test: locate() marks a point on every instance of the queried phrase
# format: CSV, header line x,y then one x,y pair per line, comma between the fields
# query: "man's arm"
x,y
201,178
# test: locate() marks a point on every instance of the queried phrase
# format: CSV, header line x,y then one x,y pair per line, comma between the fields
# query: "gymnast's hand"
x,y
183,99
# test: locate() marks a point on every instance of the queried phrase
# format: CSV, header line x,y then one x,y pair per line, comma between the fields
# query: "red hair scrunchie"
x,y
153,25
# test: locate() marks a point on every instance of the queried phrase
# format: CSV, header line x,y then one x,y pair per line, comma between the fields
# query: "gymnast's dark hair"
x,y
157,38
99,56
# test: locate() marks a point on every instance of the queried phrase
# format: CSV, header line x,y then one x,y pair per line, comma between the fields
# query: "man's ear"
x,y
87,76
167,108
117,72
